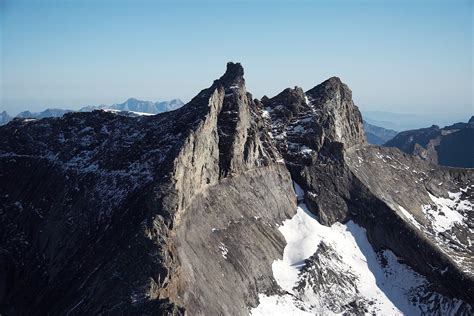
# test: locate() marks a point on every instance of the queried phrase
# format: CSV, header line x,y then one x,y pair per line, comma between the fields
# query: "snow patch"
x,y
224,250
280,306
391,288
410,217
445,214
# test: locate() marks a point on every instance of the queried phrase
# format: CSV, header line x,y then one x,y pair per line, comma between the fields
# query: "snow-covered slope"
x,y
437,202
333,270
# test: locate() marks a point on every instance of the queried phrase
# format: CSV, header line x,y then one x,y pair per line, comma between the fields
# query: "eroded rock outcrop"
x,y
311,130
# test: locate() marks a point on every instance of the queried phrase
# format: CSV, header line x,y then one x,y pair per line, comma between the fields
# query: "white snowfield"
x,y
384,290
446,214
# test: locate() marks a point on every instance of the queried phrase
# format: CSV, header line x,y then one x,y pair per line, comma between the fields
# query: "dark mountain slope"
x,y
449,146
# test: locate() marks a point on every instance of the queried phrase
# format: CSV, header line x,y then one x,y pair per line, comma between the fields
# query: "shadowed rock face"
x,y
104,213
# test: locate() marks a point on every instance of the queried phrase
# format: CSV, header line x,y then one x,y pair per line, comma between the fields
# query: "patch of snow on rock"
x,y
446,214
280,306
224,251
409,216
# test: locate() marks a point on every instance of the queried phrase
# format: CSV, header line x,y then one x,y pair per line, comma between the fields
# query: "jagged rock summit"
x,y
228,206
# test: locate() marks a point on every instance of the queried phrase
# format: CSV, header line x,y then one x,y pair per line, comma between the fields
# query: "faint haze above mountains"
x,y
397,56
408,121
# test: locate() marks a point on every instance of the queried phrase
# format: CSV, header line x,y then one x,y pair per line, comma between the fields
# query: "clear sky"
x,y
399,56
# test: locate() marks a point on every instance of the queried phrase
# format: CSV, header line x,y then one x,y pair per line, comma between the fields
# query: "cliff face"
x,y
312,130
195,210
336,113
226,232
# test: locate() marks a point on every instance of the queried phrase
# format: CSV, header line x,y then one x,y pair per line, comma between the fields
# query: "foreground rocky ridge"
x,y
182,211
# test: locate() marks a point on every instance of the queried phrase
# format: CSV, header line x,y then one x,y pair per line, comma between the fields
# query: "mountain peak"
x,y
234,69
329,88
234,74
333,99
333,81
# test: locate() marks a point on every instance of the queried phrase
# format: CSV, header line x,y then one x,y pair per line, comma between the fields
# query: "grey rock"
x,y
344,179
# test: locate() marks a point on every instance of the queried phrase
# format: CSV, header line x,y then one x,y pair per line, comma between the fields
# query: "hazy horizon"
x,y
396,56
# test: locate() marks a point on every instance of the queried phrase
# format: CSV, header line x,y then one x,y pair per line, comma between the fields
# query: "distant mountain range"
x,y
131,105
43,114
4,118
377,135
135,105
452,145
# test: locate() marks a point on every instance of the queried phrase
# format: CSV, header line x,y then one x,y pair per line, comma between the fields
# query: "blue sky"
x,y
398,56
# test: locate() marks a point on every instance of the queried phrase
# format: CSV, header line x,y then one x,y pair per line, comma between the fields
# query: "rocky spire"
x,y
338,115
234,75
